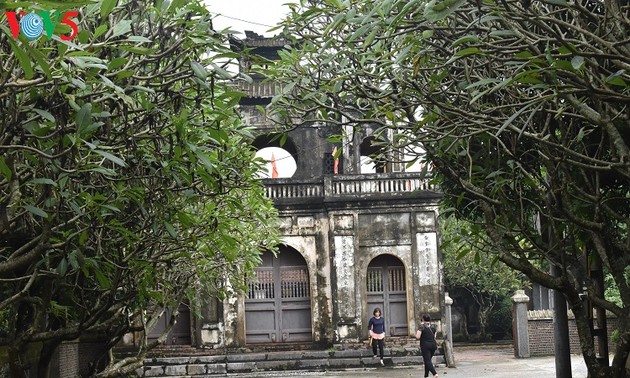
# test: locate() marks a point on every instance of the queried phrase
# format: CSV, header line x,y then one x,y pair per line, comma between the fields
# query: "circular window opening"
x,y
279,163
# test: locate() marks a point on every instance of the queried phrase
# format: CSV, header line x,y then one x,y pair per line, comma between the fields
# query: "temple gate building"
x,y
356,234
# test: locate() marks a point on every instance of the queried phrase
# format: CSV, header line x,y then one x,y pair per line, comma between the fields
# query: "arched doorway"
x,y
387,289
371,160
281,158
278,302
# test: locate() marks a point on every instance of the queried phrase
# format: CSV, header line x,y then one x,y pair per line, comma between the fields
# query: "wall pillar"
x,y
448,317
519,324
448,324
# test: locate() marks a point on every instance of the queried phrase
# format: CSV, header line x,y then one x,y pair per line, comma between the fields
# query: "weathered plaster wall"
x,y
208,327
410,235
343,278
338,246
427,268
309,235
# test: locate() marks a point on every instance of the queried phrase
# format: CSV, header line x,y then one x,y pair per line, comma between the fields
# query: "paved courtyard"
x,y
472,362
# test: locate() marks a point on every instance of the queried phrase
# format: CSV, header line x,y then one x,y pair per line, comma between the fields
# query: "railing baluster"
x,y
349,185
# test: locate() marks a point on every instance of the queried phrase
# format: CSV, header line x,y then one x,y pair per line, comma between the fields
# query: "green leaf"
x,y
5,170
494,174
136,49
72,258
221,72
45,181
370,38
563,65
615,79
62,268
83,238
40,58
124,74
36,211
403,54
107,6
103,281
122,27
577,62
100,30
44,114
84,116
462,254
23,59
426,34
78,83
114,159
205,160
562,3
170,229
359,32
139,38
116,63
467,51
465,39
437,10
199,70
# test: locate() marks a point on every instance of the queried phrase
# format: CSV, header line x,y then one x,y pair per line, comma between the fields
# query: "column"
x,y
519,324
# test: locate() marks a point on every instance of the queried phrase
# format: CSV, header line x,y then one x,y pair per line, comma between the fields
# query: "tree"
x,y
522,108
127,182
469,264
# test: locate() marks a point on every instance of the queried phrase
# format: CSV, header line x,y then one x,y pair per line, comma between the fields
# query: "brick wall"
x,y
74,359
67,362
540,333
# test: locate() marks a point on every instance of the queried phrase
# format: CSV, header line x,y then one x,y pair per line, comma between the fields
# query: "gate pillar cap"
x,y
520,297
447,299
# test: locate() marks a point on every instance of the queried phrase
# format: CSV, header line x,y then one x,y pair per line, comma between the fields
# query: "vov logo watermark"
x,y
33,25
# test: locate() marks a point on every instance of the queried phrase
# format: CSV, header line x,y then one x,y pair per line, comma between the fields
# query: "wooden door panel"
x,y
278,305
386,289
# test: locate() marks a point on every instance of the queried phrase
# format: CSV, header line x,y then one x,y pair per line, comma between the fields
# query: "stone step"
x,y
220,365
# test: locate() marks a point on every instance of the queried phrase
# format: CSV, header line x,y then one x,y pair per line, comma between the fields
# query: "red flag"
x,y
336,163
274,168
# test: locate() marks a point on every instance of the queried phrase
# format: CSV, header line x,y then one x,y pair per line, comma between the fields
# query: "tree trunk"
x,y
45,356
465,325
19,366
483,322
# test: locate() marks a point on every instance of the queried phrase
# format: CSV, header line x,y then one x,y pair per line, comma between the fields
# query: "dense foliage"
x,y
126,179
522,107
470,265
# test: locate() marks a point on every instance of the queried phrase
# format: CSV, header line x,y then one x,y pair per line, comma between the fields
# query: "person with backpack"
x,y
428,345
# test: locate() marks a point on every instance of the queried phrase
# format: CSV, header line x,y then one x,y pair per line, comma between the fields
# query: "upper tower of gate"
x,y
304,162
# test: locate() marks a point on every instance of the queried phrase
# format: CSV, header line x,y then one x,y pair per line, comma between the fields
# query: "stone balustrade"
x,y
348,186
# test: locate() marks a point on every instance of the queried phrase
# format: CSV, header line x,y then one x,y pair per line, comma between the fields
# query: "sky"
x,y
256,15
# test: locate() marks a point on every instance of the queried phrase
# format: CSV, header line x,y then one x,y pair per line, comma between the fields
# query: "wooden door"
x,y
278,303
386,289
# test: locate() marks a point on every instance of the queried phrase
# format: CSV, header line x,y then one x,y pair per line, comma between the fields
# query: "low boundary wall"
x,y
540,333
